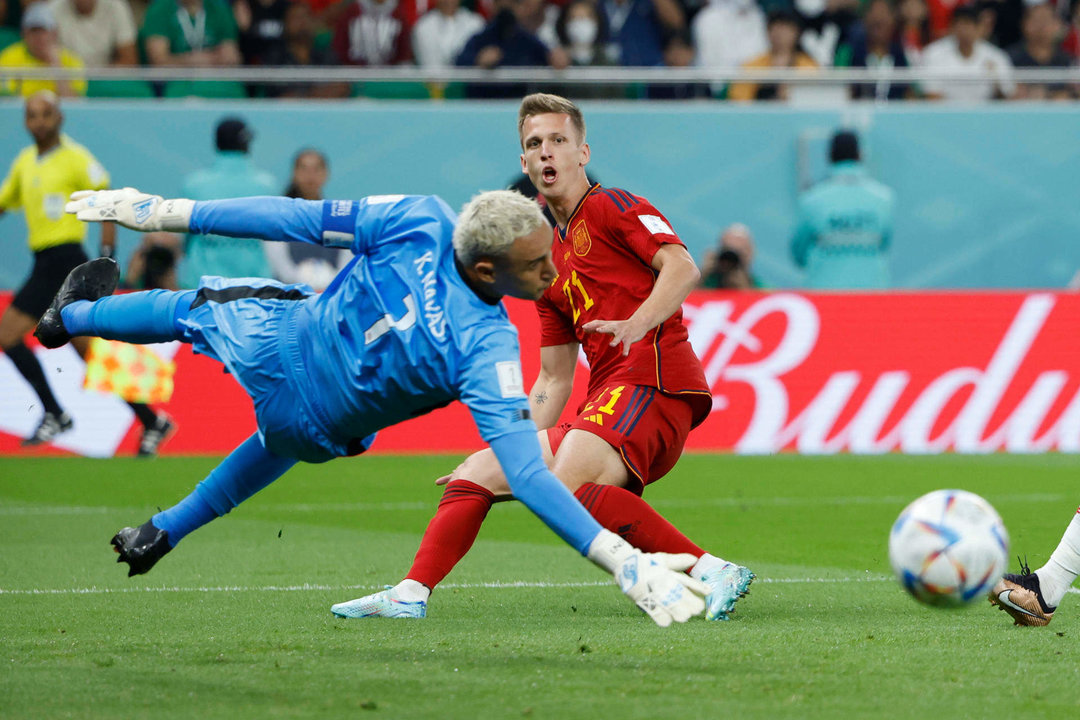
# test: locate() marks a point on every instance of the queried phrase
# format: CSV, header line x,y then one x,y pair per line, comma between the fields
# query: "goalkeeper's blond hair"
x,y
491,221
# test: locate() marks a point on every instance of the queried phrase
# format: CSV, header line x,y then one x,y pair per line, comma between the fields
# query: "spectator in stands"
x,y
191,33
375,32
40,48
505,42
1040,49
727,34
582,33
678,52
1001,20
783,29
539,18
963,53
100,32
153,264
845,224
441,34
729,266
261,25
914,29
292,262
639,29
875,45
582,30
825,26
299,49
1071,43
232,175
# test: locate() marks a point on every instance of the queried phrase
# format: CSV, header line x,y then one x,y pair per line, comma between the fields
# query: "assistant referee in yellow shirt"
x,y
41,179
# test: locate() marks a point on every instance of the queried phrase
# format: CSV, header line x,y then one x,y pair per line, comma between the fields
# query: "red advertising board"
x,y
815,373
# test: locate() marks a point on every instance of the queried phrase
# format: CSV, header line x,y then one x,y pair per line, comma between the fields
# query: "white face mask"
x,y
581,31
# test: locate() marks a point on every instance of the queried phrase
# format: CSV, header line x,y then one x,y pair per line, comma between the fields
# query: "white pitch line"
x,y
308,587
19,510
311,587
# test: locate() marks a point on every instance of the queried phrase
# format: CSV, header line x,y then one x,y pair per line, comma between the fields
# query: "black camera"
x,y
728,260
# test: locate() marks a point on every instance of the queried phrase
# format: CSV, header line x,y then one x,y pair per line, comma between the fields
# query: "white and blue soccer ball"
x,y
948,548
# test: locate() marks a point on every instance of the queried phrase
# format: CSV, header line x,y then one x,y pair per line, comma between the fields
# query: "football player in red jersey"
x,y
623,276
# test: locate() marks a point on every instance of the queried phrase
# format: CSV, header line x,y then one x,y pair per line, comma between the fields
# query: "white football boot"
x,y
384,603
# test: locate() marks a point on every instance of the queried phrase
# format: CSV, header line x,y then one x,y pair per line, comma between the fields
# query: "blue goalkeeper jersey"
x,y
379,345
396,334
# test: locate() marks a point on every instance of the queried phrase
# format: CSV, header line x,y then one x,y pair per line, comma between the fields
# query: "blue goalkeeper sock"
x,y
142,317
247,470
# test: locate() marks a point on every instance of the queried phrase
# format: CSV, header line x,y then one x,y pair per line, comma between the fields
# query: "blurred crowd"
x,y
983,40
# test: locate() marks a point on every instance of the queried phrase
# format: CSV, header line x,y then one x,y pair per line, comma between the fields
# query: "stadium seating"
x,y
205,89
119,89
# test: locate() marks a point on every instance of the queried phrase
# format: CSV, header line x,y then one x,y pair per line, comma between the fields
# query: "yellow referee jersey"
x,y
41,186
18,55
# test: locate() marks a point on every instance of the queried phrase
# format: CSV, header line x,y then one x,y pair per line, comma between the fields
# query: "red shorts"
x,y
647,427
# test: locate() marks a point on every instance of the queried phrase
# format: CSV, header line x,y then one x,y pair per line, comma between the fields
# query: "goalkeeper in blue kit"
x,y
412,323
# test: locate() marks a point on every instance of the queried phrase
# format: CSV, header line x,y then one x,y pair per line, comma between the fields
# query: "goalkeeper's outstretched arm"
x,y
267,218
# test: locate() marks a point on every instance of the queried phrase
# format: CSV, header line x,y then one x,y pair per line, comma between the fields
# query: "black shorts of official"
x,y
51,267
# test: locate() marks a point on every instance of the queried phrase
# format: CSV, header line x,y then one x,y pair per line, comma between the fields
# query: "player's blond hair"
x,y
542,103
491,221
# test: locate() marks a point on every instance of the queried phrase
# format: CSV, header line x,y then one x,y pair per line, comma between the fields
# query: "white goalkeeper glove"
x,y
656,582
132,209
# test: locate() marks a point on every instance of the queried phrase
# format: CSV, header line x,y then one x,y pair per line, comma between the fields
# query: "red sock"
x,y
626,514
451,532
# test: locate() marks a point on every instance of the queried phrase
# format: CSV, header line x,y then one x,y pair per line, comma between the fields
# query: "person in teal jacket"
x,y
845,224
232,175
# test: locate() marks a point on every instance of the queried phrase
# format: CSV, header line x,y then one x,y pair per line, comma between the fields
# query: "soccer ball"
x,y
948,548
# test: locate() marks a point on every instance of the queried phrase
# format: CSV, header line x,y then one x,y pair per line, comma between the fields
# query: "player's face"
x,y
553,155
310,174
526,270
43,119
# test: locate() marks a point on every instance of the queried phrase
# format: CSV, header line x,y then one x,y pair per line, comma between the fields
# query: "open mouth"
x,y
549,175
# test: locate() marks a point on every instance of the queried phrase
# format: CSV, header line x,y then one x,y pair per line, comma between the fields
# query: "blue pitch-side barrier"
x,y
987,197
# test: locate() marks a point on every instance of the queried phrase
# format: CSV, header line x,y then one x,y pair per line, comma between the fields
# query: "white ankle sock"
x,y
412,591
706,563
1058,574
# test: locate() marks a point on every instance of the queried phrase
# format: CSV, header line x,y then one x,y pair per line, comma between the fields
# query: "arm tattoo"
x,y
541,397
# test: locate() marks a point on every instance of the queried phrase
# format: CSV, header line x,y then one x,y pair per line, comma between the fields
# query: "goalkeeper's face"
x,y
526,270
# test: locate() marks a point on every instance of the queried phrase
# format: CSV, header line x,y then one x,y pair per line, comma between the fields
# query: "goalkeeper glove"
x,y
132,209
654,581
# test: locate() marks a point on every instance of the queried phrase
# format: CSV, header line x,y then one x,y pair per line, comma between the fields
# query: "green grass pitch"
x,y
235,623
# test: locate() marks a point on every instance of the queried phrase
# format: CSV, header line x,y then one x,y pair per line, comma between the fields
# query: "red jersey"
x,y
604,261
375,34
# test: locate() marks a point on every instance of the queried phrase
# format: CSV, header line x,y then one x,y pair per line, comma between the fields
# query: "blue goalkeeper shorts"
x,y
245,324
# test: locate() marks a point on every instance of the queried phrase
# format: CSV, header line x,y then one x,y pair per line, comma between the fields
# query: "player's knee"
x,y
482,468
575,471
